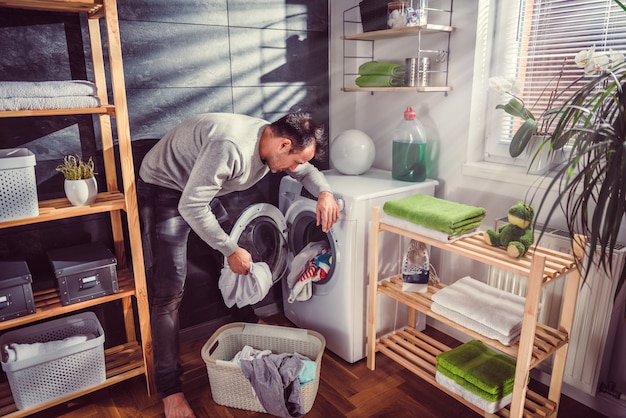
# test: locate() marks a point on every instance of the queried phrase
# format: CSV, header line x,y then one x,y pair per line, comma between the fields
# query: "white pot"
x,y
81,192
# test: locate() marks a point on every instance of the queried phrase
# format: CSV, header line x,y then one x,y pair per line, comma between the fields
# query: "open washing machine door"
x,y
301,219
261,229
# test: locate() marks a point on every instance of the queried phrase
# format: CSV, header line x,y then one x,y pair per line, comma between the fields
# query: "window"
x,y
533,41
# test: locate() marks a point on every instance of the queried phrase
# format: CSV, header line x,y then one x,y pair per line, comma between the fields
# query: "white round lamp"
x,y
352,152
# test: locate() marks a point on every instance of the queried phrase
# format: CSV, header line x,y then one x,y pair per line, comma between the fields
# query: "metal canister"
x,y
424,72
410,78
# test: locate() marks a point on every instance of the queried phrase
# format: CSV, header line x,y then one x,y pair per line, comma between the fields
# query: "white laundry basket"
x,y
230,387
54,374
18,185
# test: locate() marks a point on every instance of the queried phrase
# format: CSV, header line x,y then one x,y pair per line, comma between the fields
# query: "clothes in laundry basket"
x,y
274,379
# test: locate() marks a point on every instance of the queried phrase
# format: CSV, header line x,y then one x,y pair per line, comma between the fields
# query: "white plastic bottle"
x,y
408,151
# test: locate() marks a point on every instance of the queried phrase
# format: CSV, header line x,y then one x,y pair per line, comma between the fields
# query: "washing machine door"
x,y
301,219
261,229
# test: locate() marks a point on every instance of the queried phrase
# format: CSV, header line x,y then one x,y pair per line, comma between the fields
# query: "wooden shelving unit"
x,y
134,357
417,352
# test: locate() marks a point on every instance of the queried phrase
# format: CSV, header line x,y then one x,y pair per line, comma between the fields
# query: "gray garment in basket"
x,y
274,379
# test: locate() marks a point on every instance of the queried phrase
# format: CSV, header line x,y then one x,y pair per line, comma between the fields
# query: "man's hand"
x,y
240,261
327,211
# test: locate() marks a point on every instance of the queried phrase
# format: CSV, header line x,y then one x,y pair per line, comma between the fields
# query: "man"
x,y
205,157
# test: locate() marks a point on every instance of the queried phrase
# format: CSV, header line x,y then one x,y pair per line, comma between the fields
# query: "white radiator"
x,y
592,335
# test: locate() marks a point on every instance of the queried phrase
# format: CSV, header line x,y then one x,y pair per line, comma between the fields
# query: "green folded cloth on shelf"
x,y
491,397
382,68
438,214
379,81
480,366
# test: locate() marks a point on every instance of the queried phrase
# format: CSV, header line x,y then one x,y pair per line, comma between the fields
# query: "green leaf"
x,y
515,108
522,137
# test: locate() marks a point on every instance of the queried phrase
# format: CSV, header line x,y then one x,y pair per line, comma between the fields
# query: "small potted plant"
x,y
80,184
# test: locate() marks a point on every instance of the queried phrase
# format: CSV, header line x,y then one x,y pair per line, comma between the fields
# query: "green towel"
x,y
439,214
475,389
480,366
382,68
379,81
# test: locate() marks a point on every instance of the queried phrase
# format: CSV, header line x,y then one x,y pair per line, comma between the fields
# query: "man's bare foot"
x,y
176,406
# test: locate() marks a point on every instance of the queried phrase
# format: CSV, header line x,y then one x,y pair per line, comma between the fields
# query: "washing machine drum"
x,y
261,230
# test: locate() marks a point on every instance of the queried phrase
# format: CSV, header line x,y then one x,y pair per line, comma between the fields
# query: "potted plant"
x,y
589,126
80,184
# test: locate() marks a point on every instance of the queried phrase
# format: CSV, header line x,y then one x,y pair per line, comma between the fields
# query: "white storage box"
x,y
59,372
230,387
18,185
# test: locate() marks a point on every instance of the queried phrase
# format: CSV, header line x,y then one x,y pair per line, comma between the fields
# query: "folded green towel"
x,y
382,68
439,214
379,81
491,397
481,366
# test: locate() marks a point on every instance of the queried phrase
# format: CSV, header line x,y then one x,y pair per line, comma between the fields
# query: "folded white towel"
x,y
495,308
20,352
10,89
422,230
44,103
470,396
468,323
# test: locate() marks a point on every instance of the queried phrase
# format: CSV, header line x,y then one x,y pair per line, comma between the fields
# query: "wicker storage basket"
x,y
228,384
53,374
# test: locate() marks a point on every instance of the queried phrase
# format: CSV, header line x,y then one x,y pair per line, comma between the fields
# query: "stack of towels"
x,y
436,218
492,312
41,95
380,74
478,374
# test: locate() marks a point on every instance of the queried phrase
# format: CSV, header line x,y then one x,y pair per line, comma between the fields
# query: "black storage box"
x,y
16,292
84,272
373,15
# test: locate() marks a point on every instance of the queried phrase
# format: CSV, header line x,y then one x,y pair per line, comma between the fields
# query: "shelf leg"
x,y
372,288
527,337
570,295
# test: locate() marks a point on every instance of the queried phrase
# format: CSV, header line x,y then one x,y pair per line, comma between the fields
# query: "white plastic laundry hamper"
x,y
18,185
54,374
230,387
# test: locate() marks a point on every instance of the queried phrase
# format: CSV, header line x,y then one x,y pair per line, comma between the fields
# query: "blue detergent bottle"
x,y
408,150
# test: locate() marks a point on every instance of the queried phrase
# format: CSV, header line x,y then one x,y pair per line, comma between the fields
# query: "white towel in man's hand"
x,y
245,289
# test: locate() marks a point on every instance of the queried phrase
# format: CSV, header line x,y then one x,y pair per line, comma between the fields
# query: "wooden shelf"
x,y
547,339
417,352
55,209
102,110
537,342
48,302
131,358
122,362
87,6
397,33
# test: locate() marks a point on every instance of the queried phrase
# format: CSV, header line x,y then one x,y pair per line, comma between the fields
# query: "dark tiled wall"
x,y
181,57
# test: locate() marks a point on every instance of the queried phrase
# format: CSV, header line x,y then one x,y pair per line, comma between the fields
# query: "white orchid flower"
x,y
616,57
505,85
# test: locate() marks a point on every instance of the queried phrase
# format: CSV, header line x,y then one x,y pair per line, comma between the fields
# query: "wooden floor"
x,y
346,390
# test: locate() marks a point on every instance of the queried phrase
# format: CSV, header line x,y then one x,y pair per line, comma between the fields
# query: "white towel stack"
x,y
40,95
491,312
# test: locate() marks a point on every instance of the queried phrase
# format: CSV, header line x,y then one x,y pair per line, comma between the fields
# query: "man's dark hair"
x,y
303,131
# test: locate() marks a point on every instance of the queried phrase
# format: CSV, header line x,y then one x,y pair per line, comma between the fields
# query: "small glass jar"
x,y
397,14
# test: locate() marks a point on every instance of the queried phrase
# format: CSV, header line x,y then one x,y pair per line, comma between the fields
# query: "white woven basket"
x,y
54,374
230,387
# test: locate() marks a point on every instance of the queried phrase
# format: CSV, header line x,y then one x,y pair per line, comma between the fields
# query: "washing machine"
x,y
337,306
